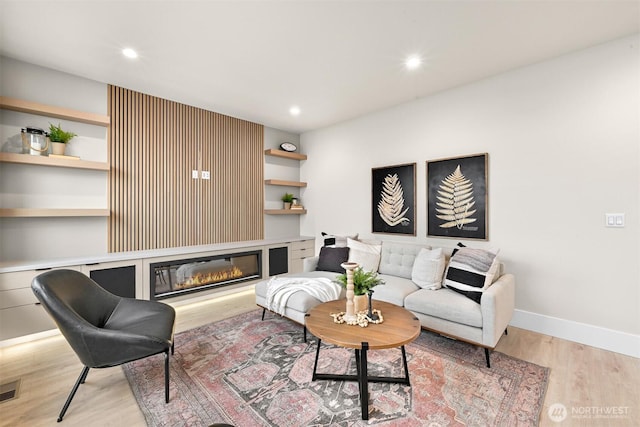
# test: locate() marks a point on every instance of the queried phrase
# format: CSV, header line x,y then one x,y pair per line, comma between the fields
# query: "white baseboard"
x,y
595,336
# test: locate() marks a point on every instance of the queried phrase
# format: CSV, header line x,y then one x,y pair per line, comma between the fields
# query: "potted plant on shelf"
x,y
59,138
363,284
287,199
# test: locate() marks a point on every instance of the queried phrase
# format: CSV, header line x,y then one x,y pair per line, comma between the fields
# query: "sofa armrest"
x,y
310,263
497,306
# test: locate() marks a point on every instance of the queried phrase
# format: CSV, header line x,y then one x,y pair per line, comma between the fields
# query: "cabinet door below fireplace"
x,y
278,260
123,278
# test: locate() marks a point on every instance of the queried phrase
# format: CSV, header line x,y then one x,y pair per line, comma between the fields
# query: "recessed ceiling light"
x,y
294,111
413,62
129,53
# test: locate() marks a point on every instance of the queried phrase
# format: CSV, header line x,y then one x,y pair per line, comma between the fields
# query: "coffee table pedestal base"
x,y
362,375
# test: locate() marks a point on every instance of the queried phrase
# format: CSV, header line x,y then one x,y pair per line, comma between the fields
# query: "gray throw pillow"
x,y
331,258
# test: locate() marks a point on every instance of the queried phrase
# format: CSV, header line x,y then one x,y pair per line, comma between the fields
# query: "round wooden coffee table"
x,y
400,327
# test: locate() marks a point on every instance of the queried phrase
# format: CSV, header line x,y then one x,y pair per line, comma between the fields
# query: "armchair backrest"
x,y
76,303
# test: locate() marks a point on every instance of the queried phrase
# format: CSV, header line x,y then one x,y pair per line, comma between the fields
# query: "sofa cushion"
x,y
445,304
428,268
331,258
471,271
367,255
397,258
394,290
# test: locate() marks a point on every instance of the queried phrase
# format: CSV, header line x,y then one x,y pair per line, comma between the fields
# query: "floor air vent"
x,y
9,391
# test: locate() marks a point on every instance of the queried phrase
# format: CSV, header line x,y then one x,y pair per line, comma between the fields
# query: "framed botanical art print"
x,y
457,197
393,199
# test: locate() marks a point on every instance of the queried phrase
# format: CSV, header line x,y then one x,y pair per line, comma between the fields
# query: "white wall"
x,y
27,186
563,141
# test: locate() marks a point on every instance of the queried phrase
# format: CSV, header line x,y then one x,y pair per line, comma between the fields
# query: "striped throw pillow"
x,y
471,271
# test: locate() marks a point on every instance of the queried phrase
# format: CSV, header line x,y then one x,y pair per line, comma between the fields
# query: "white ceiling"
x,y
335,59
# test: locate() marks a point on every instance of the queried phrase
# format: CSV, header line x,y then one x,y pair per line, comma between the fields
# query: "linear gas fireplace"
x,y
172,278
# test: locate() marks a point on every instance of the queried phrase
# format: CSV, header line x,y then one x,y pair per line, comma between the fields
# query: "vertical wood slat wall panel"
x,y
154,144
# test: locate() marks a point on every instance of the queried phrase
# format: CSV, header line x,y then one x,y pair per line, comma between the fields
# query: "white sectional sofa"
x,y
444,310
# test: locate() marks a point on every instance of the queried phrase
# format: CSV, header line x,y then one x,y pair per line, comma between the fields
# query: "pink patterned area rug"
x,y
248,372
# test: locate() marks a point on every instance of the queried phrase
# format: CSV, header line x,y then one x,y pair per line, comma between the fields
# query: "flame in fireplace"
x,y
199,279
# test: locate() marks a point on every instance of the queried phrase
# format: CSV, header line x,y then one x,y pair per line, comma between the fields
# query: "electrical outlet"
x,y
194,174
206,175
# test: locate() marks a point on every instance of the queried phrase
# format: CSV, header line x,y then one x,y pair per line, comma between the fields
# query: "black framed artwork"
x,y
393,199
457,197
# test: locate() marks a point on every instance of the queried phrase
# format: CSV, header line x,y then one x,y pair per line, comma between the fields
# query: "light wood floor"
x,y
582,378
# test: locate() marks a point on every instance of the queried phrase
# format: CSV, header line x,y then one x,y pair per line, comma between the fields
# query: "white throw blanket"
x,y
280,289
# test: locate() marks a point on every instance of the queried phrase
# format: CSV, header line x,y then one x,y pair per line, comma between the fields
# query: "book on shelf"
x,y
297,207
62,156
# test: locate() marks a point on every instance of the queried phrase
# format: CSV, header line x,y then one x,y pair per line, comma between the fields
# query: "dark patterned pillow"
x,y
471,271
331,258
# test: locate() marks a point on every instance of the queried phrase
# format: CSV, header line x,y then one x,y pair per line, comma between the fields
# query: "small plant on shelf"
x,y
56,134
287,198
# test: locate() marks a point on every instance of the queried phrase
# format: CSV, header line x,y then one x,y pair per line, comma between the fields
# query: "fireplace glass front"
x,y
171,278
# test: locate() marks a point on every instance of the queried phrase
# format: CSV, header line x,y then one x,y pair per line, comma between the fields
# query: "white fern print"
x,y
392,202
455,201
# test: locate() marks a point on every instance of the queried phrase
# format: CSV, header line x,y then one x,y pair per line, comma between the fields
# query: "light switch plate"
x,y
614,220
206,175
194,174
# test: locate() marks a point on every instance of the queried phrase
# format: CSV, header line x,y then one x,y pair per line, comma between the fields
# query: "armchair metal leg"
x,y
263,311
506,332
486,355
81,379
166,376
84,377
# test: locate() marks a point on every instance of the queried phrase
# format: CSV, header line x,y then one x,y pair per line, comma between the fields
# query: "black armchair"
x,y
104,329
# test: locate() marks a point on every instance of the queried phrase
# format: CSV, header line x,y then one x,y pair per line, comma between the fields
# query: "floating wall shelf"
x,y
285,211
28,159
285,183
285,154
51,111
50,212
